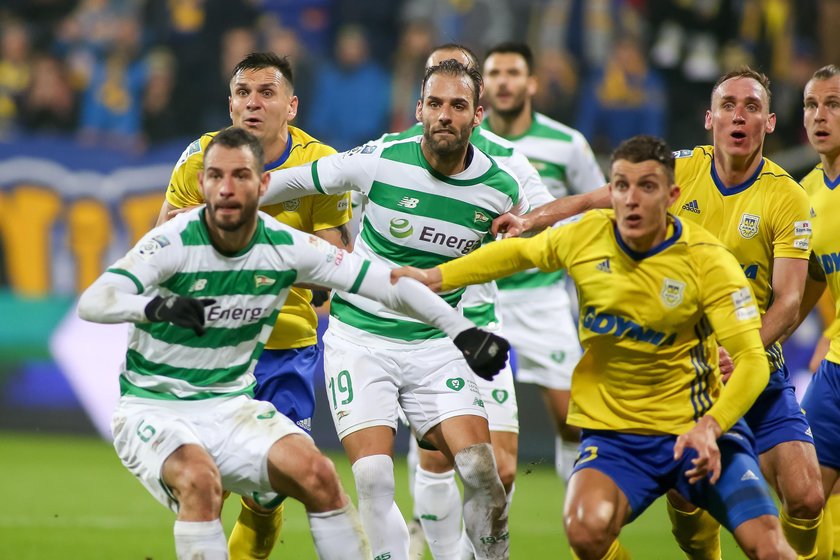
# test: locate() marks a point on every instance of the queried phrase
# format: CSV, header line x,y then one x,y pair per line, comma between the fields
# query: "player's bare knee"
x,y
198,480
507,472
807,503
477,468
322,486
589,536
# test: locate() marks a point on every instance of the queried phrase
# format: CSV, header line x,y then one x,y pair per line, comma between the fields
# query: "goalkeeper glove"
x,y
485,352
185,312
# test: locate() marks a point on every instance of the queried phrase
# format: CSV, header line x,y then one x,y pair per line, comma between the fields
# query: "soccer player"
x,y
535,306
655,291
822,399
262,101
203,292
437,501
762,215
431,198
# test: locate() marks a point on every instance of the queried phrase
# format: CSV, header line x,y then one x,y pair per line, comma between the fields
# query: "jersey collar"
x,y
637,256
829,183
725,191
283,157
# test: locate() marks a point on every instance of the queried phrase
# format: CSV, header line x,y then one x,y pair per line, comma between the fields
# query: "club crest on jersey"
x,y
261,280
291,205
672,292
480,217
748,228
401,228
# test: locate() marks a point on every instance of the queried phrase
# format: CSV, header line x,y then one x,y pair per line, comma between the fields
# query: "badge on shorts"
x,y
500,395
748,228
672,292
455,383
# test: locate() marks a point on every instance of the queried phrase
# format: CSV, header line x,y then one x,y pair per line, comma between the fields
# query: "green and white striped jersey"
x,y
560,154
165,361
413,216
566,164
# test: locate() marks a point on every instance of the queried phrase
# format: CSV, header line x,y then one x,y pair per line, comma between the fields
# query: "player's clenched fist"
x,y
485,352
185,312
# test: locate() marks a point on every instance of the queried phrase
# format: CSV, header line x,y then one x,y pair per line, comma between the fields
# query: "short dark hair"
x,y
746,72
458,47
452,67
522,49
826,72
235,137
646,148
260,60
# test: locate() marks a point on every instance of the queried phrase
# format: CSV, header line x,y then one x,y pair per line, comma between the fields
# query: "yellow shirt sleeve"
x,y
183,190
791,220
748,380
730,306
496,260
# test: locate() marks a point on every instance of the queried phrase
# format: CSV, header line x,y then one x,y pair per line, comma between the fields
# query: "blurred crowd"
x,y
134,73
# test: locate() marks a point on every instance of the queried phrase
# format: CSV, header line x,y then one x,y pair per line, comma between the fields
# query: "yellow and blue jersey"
x,y
764,218
825,203
297,322
646,322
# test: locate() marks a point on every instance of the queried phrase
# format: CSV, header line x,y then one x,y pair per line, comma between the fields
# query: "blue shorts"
x,y
822,405
776,417
643,468
286,378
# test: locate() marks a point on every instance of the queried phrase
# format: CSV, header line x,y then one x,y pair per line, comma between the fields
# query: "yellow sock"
x,y
697,533
824,537
615,552
832,508
254,533
801,534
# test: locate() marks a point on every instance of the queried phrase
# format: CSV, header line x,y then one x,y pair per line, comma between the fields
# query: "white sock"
x,y
381,518
412,460
437,502
565,455
485,519
466,548
338,534
200,539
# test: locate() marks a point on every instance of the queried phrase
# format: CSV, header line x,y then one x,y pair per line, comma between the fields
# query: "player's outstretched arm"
x,y
551,213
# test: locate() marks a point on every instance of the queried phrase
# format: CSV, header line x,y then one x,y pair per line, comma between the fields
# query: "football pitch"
x,y
68,497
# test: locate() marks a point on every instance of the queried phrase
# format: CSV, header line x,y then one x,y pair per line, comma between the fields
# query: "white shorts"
x,y
539,325
367,384
237,432
499,398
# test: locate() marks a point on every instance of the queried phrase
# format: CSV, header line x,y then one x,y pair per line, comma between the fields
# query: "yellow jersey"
x,y
297,322
764,218
650,362
825,202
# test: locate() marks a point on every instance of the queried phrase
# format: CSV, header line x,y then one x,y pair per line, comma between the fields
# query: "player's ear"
x,y
771,123
674,194
479,115
708,122
418,112
265,179
532,86
293,107
230,106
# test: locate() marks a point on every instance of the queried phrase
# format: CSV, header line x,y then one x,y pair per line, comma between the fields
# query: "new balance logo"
x,y
198,285
692,207
408,202
604,266
749,475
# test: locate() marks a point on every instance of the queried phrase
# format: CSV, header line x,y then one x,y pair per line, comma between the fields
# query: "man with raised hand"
x,y
655,291
535,306
762,215
203,292
262,101
430,198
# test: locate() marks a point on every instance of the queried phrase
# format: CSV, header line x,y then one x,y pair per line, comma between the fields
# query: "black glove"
x,y
185,312
486,353
320,297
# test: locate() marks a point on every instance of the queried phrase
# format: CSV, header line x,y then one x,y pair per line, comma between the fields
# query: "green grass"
x,y
66,497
